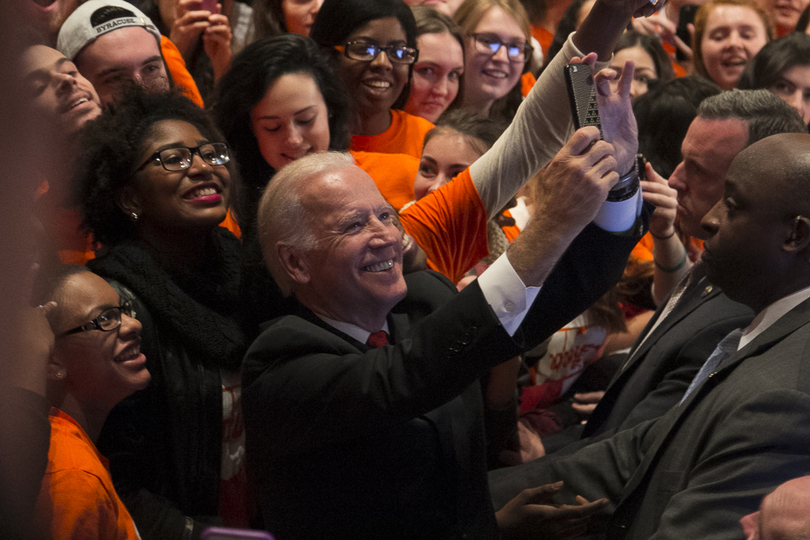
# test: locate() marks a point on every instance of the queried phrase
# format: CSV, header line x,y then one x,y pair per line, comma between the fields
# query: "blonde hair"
x,y
470,13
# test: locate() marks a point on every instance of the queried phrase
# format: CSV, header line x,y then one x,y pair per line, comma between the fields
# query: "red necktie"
x,y
377,339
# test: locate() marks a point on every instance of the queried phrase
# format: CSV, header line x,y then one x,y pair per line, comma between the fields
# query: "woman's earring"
x,y
133,216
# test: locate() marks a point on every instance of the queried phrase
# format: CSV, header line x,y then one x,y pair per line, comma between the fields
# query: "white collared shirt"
x,y
771,314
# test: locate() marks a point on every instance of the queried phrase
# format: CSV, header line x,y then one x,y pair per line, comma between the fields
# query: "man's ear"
x,y
294,263
799,235
128,201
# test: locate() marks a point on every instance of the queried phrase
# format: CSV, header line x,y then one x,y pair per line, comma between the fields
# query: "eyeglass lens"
x,y
491,44
366,52
178,159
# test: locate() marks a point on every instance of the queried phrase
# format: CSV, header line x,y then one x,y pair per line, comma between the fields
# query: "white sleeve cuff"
x,y
506,294
621,215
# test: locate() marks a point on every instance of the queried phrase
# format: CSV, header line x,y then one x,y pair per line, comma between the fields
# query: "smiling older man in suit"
x,y
351,437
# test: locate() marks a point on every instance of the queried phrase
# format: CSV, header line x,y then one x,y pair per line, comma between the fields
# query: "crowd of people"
x,y
346,269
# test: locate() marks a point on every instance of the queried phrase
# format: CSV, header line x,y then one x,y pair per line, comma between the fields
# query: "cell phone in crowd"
x,y
686,16
227,533
209,5
581,95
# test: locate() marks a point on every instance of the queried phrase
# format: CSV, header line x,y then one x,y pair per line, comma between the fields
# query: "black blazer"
x,y
345,442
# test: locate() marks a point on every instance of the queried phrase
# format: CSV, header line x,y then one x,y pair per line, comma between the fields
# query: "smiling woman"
x,y
496,53
438,73
154,181
95,363
728,33
373,43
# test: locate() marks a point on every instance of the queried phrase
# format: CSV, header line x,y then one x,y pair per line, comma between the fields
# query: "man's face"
x,y
747,229
708,149
122,57
58,90
354,274
101,368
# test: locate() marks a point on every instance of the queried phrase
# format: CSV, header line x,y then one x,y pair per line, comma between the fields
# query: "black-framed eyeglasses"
x,y
107,321
179,159
364,51
517,51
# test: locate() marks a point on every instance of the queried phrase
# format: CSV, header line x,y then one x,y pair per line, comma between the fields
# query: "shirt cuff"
x,y
506,294
621,215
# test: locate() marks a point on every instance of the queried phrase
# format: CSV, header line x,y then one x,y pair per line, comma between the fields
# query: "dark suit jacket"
x,y
345,442
694,472
658,372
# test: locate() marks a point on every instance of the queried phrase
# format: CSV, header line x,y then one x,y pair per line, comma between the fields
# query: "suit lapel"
x,y
692,298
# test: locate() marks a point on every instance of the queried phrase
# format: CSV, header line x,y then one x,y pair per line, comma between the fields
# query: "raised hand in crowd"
x,y
191,22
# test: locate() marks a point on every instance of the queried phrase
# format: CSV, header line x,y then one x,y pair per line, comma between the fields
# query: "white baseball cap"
x,y
96,18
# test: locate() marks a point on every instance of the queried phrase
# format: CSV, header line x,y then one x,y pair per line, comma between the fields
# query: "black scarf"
x,y
203,309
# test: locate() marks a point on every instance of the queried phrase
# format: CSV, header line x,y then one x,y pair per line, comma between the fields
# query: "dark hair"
x,y
772,60
568,24
252,72
763,111
536,10
110,147
268,19
471,125
664,115
430,20
652,46
50,278
339,18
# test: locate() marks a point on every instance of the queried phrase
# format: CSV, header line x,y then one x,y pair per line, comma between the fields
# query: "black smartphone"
x,y
686,16
582,96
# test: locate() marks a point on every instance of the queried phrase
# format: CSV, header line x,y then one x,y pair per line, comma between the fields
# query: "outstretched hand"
x,y
657,192
533,514
616,115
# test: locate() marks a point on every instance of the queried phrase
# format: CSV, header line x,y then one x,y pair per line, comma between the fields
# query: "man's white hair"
x,y
281,215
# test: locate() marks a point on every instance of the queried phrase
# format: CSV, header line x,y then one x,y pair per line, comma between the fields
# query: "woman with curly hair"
x,y
154,182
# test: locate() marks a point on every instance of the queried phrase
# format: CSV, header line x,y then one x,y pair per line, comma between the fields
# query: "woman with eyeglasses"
x,y
496,52
96,362
154,182
374,45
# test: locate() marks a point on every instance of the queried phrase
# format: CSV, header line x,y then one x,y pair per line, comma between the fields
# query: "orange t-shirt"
x,y
406,135
77,498
450,224
527,82
393,173
177,67
644,249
